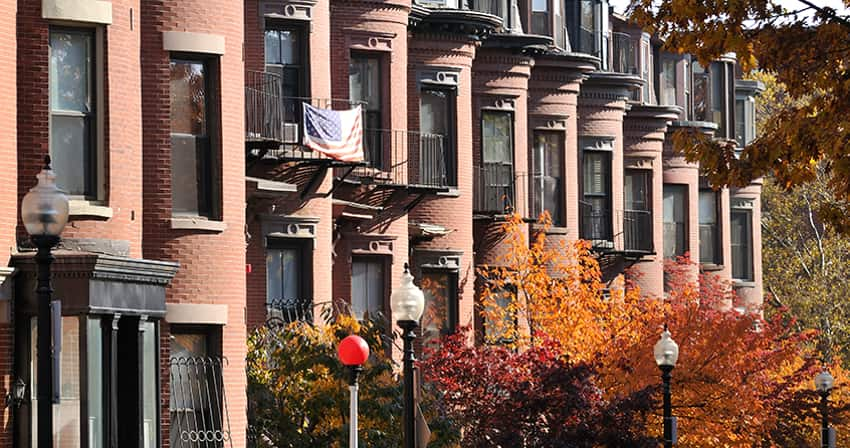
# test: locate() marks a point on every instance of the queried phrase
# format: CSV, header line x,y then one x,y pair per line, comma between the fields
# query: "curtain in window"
x,y
675,213
367,288
283,275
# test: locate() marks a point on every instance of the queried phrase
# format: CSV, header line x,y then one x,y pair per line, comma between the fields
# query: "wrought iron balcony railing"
x,y
595,225
263,116
498,190
546,195
637,231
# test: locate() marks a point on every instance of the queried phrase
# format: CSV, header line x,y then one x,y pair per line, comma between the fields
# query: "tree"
x,y
807,54
738,374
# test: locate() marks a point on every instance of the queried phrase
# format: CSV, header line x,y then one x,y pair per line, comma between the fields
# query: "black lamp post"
x,y
823,384
666,353
44,212
408,303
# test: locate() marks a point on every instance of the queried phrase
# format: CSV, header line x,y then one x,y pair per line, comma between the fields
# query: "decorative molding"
x,y
548,122
503,103
290,10
439,76
197,223
369,40
277,226
743,203
185,41
449,260
638,163
596,143
369,243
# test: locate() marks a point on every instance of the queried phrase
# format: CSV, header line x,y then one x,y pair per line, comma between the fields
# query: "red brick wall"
x,y
212,264
9,198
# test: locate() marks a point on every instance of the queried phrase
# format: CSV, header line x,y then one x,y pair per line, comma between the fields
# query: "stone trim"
x,y
79,207
741,203
291,10
89,11
500,103
637,163
438,76
595,143
360,40
196,313
197,223
184,41
277,226
369,243
450,260
547,122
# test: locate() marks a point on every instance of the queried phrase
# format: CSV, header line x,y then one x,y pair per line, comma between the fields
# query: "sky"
x,y
838,5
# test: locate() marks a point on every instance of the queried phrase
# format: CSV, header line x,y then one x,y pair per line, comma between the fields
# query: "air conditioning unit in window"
x,y
291,132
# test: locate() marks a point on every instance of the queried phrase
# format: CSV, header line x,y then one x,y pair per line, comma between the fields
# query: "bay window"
x,y
675,216
547,159
744,120
73,113
709,232
585,24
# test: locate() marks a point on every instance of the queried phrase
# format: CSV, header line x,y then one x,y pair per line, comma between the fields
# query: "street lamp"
x,y
407,303
44,211
823,384
666,353
353,351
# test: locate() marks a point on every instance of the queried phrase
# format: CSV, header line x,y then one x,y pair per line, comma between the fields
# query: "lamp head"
x,y
44,209
666,350
824,382
353,350
407,301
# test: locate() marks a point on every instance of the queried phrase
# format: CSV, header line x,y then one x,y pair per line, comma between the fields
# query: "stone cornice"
x,y
102,267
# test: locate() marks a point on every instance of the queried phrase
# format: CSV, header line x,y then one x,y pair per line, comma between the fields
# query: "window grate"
x,y
198,405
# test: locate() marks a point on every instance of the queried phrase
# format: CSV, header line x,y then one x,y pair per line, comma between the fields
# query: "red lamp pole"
x,y
353,351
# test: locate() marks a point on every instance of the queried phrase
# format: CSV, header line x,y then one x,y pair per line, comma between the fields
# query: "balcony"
x,y
497,189
404,158
281,312
637,232
595,226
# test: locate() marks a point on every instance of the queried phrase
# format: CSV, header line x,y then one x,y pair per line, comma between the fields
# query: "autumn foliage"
x,y
740,380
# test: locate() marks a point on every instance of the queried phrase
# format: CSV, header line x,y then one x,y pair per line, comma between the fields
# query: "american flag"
x,y
337,134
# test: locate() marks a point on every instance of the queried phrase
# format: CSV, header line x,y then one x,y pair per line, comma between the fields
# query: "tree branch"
x,y
828,12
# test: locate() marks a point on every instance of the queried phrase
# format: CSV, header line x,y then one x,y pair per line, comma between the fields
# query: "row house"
x,y
198,212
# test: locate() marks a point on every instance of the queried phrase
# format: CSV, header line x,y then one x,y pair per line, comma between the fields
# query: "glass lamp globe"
x,y
44,209
824,382
407,301
666,351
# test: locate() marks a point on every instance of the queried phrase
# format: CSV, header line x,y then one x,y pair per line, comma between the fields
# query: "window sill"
x,y
90,209
711,267
197,223
552,230
743,283
454,192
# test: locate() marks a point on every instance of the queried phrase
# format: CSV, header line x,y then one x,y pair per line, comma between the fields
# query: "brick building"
x,y
177,129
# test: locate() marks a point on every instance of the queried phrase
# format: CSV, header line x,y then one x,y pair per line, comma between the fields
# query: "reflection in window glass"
x,y
500,320
700,92
668,70
283,275
675,212
440,315
546,188
72,110
66,414
741,231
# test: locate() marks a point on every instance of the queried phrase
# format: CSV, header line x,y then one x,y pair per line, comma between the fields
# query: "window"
x,y
637,217
547,19
364,84
194,125
497,174
721,91
437,156
689,106
709,233
675,215
440,315
700,92
742,244
541,22
73,141
288,280
584,25
547,192
500,319
197,400
498,8
596,193
646,69
368,288
668,82
744,121
66,415
285,54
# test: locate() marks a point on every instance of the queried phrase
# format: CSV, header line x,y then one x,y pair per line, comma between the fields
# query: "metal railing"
x,y
624,54
595,225
546,195
498,190
637,231
199,416
286,311
399,157
263,116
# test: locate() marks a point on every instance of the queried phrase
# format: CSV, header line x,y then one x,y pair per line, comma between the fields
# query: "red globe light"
x,y
353,350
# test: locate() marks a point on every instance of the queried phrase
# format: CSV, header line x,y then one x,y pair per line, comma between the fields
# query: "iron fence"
x,y
263,115
198,407
637,231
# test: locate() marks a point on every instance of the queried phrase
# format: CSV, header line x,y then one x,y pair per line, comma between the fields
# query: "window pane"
x,y
70,153
718,97
595,173
637,189
367,288
434,111
274,272
740,120
587,28
273,47
700,93
70,62
94,370
499,319
150,403
675,212
497,137
289,42
708,230
188,98
741,235
364,81
548,152
291,277
185,180
440,302
669,72
66,414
